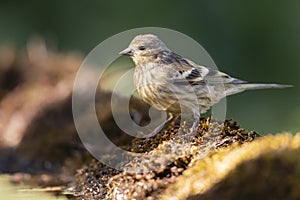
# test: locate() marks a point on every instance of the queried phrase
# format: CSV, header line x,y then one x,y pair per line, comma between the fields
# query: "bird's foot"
x,y
159,128
188,134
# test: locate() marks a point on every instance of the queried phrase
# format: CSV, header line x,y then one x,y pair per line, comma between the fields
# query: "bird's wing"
x,y
184,71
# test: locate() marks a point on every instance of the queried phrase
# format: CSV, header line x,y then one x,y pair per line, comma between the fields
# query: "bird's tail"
x,y
254,86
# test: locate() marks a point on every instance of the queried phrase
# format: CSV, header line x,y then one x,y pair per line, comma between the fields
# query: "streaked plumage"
x,y
167,80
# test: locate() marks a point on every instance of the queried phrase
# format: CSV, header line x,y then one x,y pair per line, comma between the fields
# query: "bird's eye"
x,y
142,48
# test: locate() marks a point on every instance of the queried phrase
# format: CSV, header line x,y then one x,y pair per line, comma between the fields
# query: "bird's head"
x,y
144,47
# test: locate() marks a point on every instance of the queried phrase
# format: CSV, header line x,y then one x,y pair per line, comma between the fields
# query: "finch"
x,y
175,84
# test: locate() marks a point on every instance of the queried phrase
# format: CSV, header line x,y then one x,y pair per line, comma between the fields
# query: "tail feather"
x,y
253,86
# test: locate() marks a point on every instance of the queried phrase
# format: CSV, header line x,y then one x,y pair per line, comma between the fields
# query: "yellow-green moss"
x,y
268,164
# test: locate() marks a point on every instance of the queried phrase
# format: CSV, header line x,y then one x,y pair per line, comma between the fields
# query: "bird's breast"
x,y
152,86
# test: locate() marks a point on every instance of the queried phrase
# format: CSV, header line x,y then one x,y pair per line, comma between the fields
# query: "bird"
x,y
179,86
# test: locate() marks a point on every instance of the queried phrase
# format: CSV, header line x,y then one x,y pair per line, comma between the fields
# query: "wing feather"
x,y
186,71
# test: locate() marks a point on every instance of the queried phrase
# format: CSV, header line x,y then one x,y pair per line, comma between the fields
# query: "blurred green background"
x,y
258,41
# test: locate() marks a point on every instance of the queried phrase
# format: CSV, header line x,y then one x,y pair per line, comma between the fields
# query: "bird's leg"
x,y
195,126
211,115
159,127
191,122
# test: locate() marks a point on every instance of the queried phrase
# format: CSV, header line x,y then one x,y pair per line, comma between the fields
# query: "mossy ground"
x,y
164,158
230,164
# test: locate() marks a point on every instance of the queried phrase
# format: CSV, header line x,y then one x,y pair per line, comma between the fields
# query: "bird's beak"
x,y
126,52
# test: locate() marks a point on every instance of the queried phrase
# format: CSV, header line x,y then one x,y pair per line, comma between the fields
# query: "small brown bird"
x,y
177,85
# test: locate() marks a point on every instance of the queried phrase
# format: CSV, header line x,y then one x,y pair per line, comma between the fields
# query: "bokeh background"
x,y
258,41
